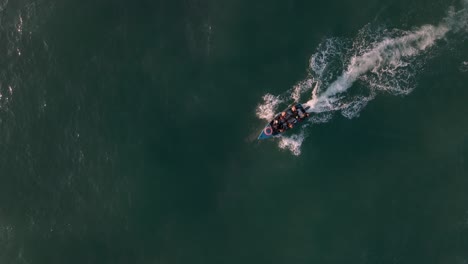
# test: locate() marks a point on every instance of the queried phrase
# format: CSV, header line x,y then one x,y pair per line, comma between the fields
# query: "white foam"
x,y
302,87
386,53
326,50
464,66
19,25
292,143
388,65
267,109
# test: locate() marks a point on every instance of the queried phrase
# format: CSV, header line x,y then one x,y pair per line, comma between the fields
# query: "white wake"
x,y
381,60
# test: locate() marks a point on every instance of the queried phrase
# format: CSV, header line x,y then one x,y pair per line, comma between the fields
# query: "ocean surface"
x,y
128,132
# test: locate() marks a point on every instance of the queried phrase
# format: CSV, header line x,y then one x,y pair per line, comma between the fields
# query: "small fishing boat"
x,y
286,120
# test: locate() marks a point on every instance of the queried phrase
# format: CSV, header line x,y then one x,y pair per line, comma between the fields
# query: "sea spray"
x,y
293,143
267,109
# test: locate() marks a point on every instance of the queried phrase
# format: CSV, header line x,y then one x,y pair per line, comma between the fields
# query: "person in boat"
x,y
301,114
291,119
281,129
275,124
282,116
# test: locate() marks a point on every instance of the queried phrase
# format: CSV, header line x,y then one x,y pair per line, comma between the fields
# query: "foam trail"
x,y
389,51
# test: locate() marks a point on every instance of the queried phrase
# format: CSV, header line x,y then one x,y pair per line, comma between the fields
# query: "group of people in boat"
x,y
288,118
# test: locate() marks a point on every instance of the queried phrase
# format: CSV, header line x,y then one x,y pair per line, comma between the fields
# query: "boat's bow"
x,y
267,132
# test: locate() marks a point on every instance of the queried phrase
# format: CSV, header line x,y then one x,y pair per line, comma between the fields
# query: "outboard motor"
x,y
301,113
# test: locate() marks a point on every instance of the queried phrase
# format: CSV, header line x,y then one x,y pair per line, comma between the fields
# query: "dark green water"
x,y
127,136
